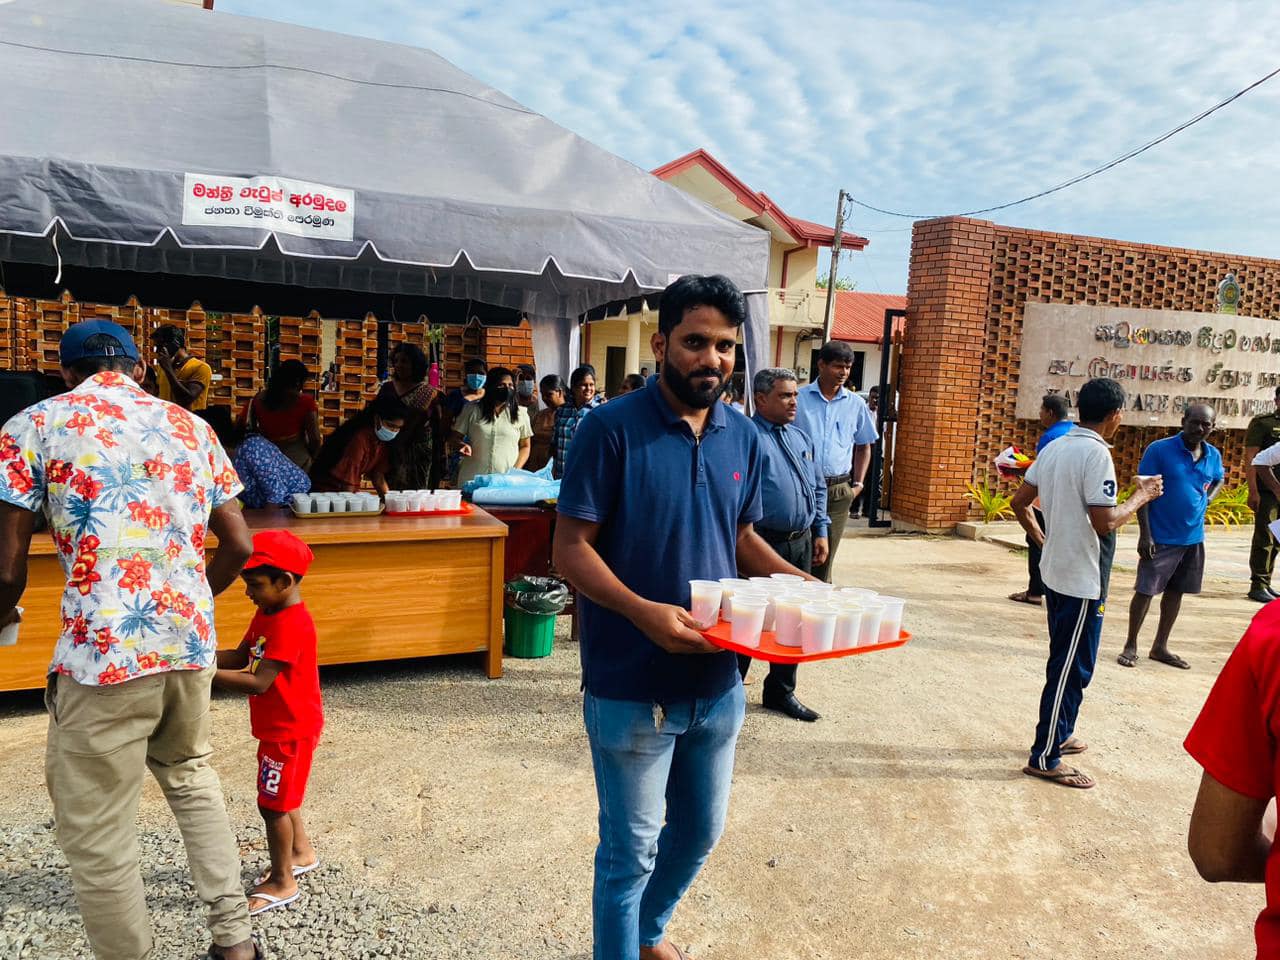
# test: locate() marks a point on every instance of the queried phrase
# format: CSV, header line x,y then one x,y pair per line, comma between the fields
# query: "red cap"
x,y
281,549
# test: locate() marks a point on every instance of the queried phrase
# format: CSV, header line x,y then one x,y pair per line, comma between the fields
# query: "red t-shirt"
x,y
1234,739
290,708
280,425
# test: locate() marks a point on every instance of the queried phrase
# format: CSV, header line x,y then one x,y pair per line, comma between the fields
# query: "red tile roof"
x,y
859,317
806,232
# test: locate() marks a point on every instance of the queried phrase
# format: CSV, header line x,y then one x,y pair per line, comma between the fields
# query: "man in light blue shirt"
x,y
793,498
842,430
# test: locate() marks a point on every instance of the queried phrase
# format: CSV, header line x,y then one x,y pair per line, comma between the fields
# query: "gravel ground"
x,y
456,815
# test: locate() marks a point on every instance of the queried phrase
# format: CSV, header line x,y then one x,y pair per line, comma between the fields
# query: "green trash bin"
x,y
529,615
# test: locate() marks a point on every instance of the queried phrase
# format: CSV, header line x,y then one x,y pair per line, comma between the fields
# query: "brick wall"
x,y
968,284
508,346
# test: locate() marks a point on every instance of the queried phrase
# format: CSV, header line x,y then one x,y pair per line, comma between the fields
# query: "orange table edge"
x,y
381,588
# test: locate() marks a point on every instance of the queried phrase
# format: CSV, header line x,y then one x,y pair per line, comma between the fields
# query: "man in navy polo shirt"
x,y
1171,530
661,487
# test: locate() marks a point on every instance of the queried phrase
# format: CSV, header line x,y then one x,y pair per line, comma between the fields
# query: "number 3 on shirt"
x,y
1109,487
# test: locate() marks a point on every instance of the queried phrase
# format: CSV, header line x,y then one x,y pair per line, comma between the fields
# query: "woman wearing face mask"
x,y
360,449
493,433
416,463
527,389
544,421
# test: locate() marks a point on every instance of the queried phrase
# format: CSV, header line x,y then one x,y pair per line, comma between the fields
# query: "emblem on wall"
x,y
1228,298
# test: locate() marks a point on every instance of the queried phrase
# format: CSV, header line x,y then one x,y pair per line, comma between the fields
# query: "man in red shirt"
x,y
1234,740
276,665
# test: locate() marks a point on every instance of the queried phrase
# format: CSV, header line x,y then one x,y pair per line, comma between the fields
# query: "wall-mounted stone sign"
x,y
1164,359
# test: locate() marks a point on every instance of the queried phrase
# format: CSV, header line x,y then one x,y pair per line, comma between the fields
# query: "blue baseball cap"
x,y
72,347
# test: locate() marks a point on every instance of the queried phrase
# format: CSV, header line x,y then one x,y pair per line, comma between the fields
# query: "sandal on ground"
x,y
271,902
1062,776
1023,596
1127,659
297,872
1072,746
1172,660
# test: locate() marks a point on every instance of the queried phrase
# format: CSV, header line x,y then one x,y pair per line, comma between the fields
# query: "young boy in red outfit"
x,y
275,665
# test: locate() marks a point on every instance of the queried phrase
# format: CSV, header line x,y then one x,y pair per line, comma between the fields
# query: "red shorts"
x,y
283,769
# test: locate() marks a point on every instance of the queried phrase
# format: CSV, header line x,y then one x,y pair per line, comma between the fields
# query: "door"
x,y
615,370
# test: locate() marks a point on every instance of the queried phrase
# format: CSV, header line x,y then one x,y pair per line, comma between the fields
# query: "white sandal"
x,y
272,903
297,872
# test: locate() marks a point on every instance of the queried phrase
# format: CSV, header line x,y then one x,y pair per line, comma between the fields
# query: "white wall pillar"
x,y
633,343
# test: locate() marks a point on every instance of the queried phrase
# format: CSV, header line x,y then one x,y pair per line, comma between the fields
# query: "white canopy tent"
x,y
164,138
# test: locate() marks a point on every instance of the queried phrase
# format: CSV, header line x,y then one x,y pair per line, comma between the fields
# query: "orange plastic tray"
x,y
466,511
774,652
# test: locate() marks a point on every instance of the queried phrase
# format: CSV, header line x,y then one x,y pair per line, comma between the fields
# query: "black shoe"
x,y
1274,595
792,707
1261,595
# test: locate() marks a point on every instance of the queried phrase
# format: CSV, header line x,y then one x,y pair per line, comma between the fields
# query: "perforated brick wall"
x,y
968,284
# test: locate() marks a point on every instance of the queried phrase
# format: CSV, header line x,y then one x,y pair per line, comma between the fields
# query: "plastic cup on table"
x,y
395,501
848,624
431,502
869,631
817,627
728,586
786,624
747,620
891,622
704,605
370,502
302,503
323,503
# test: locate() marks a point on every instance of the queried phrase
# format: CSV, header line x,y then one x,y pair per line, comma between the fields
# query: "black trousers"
x,y
1035,586
781,680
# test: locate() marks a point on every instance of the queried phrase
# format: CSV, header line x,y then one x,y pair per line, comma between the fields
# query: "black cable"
x,y
1090,173
260,66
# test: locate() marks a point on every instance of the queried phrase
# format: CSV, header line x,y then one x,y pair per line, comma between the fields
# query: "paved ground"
x,y
1226,549
457,814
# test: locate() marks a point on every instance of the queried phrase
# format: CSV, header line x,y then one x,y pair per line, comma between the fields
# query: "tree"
x,y
842,283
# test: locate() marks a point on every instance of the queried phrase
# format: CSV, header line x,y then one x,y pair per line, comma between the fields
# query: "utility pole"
x,y
835,263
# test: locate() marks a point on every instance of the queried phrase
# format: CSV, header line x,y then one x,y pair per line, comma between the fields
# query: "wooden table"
x,y
381,588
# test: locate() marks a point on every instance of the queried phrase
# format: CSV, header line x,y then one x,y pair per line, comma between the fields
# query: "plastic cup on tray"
x,y
323,503
891,622
817,627
704,606
848,623
747,620
746,593
869,631
786,623
728,586
787,578
302,503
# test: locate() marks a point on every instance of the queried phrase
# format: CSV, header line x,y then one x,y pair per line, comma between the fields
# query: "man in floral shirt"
x,y
131,486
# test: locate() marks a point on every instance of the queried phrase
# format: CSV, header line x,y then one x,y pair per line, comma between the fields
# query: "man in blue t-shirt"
x,y
1171,530
661,486
1055,424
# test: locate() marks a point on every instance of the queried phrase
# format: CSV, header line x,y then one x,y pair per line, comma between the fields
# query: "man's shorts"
x,y
1176,568
283,769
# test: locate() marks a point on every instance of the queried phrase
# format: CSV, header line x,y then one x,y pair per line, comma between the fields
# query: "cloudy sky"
x,y
926,108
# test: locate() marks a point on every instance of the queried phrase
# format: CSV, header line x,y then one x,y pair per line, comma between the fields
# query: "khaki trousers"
x,y
100,741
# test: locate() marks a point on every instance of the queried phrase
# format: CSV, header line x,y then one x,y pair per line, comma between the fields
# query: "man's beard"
x,y
684,389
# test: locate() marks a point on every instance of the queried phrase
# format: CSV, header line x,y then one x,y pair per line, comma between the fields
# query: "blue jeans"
x,y
647,758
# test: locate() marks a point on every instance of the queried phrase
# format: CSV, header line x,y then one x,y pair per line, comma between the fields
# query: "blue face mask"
x,y
525,388
475,381
386,434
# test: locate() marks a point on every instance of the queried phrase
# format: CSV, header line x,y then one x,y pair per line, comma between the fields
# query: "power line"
x,y
1090,173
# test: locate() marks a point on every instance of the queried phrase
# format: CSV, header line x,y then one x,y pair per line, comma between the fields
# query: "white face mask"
x,y
386,434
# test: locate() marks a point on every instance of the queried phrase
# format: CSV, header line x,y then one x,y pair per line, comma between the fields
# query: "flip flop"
x,y
1072,747
1062,776
1023,597
297,872
1173,660
1127,659
272,903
